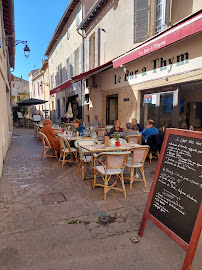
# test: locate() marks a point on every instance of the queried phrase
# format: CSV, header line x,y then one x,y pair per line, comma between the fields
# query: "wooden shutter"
x,y
97,46
87,56
73,63
68,31
168,12
81,58
140,20
70,66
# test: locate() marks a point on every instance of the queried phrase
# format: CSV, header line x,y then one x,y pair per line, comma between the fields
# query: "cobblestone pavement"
x,y
28,188
26,179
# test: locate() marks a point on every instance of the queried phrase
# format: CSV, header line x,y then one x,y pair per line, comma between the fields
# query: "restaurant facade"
x,y
161,79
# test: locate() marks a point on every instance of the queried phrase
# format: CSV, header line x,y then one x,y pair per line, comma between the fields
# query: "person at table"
x,y
79,127
96,122
149,130
129,131
117,127
51,134
64,119
136,126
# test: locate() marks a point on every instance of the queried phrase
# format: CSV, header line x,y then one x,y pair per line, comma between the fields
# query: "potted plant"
x,y
116,136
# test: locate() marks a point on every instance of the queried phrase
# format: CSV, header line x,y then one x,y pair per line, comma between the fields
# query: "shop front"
x,y
164,85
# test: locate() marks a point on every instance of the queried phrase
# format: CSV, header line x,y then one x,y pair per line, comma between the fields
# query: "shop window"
x,y
194,115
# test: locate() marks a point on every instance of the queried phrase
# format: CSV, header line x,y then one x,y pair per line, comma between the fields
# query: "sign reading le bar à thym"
x,y
174,203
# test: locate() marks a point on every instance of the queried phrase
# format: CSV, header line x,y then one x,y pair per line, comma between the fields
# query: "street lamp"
x,y
13,43
26,48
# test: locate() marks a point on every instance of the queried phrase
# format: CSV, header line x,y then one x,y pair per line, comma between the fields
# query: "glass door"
x,y
112,109
162,108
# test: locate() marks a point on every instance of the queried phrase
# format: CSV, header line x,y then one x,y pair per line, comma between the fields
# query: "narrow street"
x,y
38,234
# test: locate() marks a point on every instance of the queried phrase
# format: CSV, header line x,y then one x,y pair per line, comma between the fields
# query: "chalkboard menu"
x,y
178,193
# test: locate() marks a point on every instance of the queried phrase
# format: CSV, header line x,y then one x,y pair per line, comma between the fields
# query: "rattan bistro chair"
x,y
84,156
36,132
134,139
66,150
137,162
114,165
48,151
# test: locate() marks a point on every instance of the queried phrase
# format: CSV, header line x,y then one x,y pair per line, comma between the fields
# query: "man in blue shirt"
x,y
149,130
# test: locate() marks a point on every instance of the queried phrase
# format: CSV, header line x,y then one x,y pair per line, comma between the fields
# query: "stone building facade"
x,y
119,91
7,60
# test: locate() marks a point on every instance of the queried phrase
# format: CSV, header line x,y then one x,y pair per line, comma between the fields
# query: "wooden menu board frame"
x,y
190,247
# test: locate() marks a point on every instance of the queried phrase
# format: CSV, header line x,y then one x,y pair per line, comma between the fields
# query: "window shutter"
x,y
140,20
70,66
87,56
67,68
73,63
168,12
68,31
81,58
97,46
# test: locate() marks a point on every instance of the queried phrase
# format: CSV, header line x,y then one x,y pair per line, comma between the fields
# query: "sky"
x,y
35,22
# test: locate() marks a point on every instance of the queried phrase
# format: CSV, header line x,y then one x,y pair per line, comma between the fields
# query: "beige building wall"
x,y
181,9
65,47
5,109
190,70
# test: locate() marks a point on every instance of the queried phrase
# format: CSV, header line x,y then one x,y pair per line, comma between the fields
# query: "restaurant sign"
x,y
158,65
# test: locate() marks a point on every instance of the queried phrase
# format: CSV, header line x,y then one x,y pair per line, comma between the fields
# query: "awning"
x,y
183,30
61,87
91,72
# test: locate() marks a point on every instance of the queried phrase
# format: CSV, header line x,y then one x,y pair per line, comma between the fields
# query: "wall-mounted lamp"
x,y
13,43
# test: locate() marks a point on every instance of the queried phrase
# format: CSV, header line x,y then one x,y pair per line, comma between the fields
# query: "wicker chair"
x,y
36,132
66,150
114,165
137,162
134,138
48,151
84,157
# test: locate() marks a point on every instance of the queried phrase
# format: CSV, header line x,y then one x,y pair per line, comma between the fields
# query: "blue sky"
x,y
35,22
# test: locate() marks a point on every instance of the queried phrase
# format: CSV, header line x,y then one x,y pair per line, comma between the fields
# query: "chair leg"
x,y
131,177
105,188
150,157
83,174
143,176
123,185
94,178
60,157
63,160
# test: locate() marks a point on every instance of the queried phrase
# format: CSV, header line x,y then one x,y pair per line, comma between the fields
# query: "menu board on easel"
x,y
174,202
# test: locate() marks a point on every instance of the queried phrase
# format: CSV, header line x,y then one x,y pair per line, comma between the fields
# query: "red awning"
x,y
61,87
183,30
91,72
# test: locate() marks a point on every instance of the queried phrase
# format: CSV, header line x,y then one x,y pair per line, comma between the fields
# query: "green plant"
x,y
116,136
73,221
63,126
73,129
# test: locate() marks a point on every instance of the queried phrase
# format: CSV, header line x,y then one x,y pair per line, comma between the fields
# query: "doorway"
x,y
162,108
112,109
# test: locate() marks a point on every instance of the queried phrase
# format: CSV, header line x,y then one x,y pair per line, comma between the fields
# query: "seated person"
x,y
136,126
64,119
116,127
149,130
129,131
51,135
79,127
96,122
